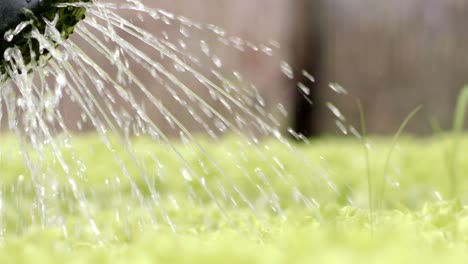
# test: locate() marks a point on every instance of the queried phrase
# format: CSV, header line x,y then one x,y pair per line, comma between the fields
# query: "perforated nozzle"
x,y
14,12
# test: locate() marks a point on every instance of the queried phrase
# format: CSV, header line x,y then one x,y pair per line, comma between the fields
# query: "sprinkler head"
x,y
14,12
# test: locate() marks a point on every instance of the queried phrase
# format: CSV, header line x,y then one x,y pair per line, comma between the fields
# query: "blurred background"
x,y
392,55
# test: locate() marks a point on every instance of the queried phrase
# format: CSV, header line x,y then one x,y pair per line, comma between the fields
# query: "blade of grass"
x,y
392,148
370,189
458,124
436,127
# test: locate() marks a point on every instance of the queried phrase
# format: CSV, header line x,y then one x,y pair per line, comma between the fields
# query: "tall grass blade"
x,y
392,148
370,188
458,124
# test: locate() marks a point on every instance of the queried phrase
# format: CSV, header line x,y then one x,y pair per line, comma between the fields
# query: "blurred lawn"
x,y
135,194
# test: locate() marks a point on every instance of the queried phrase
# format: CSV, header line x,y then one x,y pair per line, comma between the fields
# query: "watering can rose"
x,y
18,18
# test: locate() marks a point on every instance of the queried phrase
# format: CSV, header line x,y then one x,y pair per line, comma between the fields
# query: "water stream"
x,y
101,72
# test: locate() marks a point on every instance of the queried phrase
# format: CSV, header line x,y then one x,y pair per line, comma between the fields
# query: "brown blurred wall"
x,y
394,56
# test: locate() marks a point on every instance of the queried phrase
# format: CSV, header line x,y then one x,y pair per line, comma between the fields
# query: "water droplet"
x,y
337,88
335,111
217,61
287,70
341,127
308,76
204,47
304,89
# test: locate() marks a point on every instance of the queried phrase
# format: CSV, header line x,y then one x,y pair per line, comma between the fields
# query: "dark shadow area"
x,y
307,57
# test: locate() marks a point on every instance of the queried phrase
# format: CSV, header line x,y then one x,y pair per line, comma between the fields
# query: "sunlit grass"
x,y
412,213
458,124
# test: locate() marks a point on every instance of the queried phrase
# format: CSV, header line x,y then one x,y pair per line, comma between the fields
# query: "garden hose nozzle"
x,y
37,12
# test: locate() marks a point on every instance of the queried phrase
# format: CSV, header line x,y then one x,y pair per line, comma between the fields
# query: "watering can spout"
x,y
13,12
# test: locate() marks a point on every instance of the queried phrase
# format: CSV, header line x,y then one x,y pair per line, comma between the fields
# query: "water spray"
x,y
19,17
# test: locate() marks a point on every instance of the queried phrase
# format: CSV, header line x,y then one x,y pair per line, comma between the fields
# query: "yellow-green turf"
x,y
417,218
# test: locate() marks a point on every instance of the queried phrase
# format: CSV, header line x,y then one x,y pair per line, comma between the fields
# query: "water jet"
x,y
107,93
133,179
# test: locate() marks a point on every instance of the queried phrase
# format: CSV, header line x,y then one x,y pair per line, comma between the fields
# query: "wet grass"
x,y
414,223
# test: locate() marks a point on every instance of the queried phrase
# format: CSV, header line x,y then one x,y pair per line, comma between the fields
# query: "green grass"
x,y
458,124
411,225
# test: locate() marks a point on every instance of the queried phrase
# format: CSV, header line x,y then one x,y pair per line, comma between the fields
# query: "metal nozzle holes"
x,y
13,12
